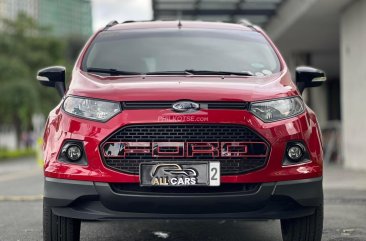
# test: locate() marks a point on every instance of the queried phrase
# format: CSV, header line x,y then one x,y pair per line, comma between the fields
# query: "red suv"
x,y
182,120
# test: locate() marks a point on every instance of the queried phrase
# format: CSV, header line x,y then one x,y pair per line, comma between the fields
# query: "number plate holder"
x,y
180,174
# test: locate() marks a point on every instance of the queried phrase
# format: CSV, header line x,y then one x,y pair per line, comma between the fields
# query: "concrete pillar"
x,y
353,84
319,103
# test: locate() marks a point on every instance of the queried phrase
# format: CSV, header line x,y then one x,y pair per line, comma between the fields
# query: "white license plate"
x,y
180,174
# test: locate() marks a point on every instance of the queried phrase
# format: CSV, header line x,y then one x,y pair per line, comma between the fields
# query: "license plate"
x,y
180,174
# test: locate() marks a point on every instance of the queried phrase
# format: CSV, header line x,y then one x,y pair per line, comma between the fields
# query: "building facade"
x,y
63,17
66,17
10,8
327,34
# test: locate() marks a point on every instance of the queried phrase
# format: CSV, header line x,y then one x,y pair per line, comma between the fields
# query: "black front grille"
x,y
141,105
257,147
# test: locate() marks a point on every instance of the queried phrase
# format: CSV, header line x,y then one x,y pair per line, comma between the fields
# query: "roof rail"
x,y
245,22
129,21
248,24
110,24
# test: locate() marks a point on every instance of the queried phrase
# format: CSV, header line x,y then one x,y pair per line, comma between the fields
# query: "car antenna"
x,y
179,19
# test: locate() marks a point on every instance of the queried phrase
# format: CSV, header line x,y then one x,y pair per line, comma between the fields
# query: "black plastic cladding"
x,y
223,188
188,133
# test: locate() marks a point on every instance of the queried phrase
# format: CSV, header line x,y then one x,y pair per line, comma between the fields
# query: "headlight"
x,y
274,110
93,109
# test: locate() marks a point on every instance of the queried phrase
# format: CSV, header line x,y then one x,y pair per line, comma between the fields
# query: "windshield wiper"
x,y
169,72
219,72
199,72
112,71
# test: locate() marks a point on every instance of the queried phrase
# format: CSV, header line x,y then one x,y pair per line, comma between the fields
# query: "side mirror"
x,y
307,77
53,77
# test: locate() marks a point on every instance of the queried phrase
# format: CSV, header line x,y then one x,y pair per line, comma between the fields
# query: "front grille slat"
x,y
141,105
228,105
189,133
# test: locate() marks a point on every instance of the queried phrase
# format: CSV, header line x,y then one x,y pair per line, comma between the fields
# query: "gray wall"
x,y
353,84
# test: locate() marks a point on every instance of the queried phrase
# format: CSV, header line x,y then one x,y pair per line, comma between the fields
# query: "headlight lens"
x,y
93,109
274,110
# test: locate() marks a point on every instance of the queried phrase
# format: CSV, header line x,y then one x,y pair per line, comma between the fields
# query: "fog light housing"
x,y
295,152
74,152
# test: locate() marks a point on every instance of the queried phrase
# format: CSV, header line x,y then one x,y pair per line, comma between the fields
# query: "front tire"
x,y
56,228
309,228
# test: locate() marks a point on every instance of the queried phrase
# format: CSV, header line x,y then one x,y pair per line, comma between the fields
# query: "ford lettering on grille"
x,y
182,149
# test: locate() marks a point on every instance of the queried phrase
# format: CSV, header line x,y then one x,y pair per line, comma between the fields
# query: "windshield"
x,y
174,50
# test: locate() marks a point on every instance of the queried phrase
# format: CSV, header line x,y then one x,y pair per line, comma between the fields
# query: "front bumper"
x,y
98,201
62,127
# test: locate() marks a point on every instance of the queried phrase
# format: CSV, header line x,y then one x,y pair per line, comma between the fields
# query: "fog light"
x,y
74,152
295,152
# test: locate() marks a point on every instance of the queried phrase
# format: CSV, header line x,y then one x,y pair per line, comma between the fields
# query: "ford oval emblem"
x,y
186,106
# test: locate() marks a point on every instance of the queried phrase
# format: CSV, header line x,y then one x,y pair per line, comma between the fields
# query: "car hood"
x,y
190,87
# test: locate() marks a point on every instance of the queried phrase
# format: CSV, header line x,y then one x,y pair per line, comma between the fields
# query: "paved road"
x,y
21,210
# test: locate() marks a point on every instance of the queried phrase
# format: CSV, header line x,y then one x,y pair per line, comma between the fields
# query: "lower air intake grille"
x,y
223,188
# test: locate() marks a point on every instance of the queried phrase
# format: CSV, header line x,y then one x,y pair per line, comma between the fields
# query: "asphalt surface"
x,y
21,213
